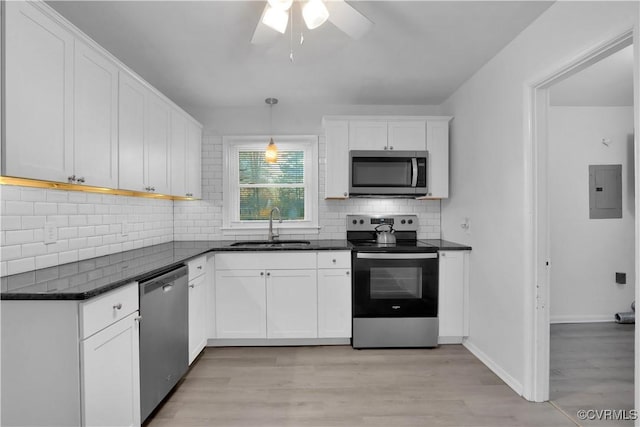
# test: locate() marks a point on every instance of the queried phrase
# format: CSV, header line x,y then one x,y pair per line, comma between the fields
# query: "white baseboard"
x,y
501,373
262,342
449,340
578,318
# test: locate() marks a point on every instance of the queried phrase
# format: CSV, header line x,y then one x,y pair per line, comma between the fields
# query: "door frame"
x,y
536,234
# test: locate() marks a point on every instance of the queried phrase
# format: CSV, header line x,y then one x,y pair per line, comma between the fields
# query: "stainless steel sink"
x,y
271,244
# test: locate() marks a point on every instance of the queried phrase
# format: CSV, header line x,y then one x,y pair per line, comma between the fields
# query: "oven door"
x,y
395,284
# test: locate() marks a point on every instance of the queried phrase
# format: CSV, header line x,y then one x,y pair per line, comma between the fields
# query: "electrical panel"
x,y
605,191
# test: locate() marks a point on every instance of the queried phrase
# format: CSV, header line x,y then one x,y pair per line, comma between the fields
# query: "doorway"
x,y
537,339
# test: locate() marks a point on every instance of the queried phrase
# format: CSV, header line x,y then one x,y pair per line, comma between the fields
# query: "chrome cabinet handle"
x,y
72,178
137,318
189,194
81,179
192,285
199,267
117,306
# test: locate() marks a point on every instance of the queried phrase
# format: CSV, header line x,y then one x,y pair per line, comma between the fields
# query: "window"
x,y
253,187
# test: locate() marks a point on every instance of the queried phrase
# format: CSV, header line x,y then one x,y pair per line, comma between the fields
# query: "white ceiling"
x,y
199,54
607,83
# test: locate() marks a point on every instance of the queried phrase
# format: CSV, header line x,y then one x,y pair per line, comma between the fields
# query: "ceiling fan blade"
x,y
347,19
263,34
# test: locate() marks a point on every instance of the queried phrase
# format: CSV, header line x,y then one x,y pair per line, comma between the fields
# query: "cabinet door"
x,y
337,159
96,118
111,376
131,134
38,95
334,303
178,151
157,145
367,135
240,304
292,304
197,316
407,135
451,301
438,167
194,161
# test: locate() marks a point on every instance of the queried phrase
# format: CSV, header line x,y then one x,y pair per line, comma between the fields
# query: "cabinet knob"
x,y
386,148
333,260
72,178
268,274
262,273
443,254
391,148
345,194
117,306
153,188
189,194
137,318
81,179
199,267
348,273
192,285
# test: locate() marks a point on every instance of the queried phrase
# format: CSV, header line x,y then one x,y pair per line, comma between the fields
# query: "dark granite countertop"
x,y
88,278
444,245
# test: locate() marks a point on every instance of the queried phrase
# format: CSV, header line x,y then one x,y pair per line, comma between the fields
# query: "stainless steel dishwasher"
x,y
164,335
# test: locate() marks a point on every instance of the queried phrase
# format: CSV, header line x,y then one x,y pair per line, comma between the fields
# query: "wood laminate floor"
x,y
592,367
340,386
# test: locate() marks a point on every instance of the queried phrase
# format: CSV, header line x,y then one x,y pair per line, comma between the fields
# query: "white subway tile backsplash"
x,y
44,261
68,256
11,223
14,207
16,237
34,249
21,265
11,252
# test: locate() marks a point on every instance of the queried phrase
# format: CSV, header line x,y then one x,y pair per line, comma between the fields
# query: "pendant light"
x,y
271,152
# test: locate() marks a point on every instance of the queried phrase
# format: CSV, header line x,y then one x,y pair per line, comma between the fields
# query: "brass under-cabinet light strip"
x,y
36,183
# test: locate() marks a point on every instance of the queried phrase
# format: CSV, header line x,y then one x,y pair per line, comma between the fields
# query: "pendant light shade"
x,y
315,13
276,19
271,152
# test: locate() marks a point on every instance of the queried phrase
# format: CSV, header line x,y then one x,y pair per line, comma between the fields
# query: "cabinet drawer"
x,y
266,260
196,266
334,259
100,312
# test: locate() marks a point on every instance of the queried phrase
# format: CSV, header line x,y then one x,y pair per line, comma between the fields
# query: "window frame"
x,y
231,146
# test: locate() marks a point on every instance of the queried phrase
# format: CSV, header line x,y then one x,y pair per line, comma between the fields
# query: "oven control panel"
x,y
370,222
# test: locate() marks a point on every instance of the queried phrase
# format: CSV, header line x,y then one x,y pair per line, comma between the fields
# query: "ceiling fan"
x,y
275,17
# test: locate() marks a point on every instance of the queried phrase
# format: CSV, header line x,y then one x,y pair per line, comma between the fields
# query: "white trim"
x,y
251,342
450,340
230,147
501,373
577,318
536,233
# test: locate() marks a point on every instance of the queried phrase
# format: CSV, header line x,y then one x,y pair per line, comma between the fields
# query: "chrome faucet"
x,y
272,236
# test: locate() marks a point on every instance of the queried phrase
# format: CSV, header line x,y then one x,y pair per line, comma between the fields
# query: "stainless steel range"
x,y
395,285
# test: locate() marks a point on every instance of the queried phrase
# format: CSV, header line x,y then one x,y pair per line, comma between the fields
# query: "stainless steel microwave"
x,y
387,173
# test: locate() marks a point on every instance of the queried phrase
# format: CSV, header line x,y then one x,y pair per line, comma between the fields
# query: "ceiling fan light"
x,y
315,13
276,19
280,4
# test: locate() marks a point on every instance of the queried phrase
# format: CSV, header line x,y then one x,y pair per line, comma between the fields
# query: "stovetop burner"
x,y
362,235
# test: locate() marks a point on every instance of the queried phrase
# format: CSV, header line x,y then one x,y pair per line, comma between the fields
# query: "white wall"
x,y
89,225
487,175
586,253
202,220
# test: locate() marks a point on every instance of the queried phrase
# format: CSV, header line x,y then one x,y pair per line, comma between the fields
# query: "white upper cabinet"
x,y
368,135
131,133
438,161
157,171
38,95
407,135
186,147
337,159
96,118
75,114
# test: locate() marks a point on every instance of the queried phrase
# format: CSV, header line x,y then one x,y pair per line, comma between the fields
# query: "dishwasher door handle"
x,y
167,288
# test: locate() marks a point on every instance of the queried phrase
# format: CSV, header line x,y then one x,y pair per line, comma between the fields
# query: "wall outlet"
x,y
50,232
621,278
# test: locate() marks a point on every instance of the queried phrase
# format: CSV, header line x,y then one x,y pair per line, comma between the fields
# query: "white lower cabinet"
x,y
111,375
273,301
197,307
453,297
334,294
292,304
80,365
241,304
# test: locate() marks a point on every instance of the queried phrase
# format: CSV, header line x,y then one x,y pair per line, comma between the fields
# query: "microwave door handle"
x,y
414,169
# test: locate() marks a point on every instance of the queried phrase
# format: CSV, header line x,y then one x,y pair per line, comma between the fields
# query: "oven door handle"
x,y
378,255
